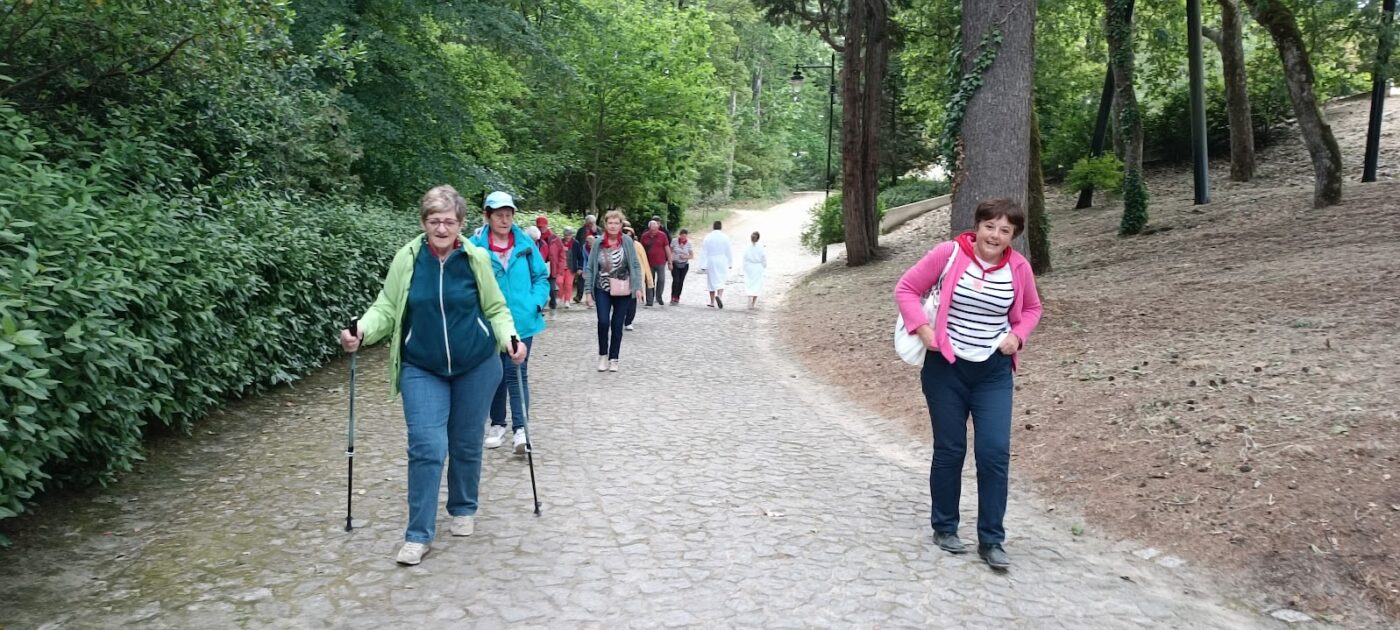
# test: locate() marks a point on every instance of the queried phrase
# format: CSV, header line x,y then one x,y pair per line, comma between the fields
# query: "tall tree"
x,y
1037,221
1119,27
864,26
996,128
1326,156
1230,41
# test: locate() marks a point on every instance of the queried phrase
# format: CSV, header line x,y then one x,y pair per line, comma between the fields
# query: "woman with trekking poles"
x,y
986,306
612,278
523,277
447,321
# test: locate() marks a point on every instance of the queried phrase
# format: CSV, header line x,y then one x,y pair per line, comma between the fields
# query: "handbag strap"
x,y
937,287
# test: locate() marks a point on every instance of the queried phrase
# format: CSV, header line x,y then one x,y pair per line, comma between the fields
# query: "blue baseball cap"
x,y
499,199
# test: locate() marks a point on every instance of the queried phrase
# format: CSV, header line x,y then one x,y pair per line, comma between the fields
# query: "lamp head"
x,y
796,79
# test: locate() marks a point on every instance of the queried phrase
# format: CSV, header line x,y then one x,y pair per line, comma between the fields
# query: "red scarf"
x,y
967,241
682,240
610,245
510,243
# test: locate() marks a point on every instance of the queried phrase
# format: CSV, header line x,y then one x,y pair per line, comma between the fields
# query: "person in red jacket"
x,y
552,251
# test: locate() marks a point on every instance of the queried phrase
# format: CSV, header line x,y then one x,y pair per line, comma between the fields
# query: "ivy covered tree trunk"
x,y
864,58
1119,24
1230,41
1037,222
996,128
1298,73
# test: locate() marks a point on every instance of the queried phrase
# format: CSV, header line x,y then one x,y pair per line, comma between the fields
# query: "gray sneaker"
x,y
495,436
411,553
995,556
949,542
463,525
520,443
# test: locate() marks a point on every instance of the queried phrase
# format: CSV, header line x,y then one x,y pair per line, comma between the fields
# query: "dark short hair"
x,y
684,231
716,225
999,207
753,237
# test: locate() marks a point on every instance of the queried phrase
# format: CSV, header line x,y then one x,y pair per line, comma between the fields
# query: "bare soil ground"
x,y
1224,387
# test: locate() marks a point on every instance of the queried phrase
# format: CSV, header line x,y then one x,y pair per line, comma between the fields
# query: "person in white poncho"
x,y
719,258
755,265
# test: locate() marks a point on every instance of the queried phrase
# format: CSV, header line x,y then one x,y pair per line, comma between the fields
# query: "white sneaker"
x,y
520,445
463,525
612,365
411,553
628,327
602,363
495,436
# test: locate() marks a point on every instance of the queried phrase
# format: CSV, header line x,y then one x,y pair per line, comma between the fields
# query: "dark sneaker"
x,y
949,542
995,556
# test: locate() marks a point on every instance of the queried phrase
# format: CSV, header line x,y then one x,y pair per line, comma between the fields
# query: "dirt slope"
x,y
1224,387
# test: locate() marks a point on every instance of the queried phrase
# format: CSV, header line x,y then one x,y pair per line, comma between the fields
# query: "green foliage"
x,y
1134,204
827,224
958,100
124,308
912,190
1103,173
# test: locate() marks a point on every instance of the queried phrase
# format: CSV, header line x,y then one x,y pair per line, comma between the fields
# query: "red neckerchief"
x,y
617,243
491,241
967,241
682,240
456,244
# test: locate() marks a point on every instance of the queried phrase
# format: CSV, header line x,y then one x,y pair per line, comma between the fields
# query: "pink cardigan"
x,y
915,283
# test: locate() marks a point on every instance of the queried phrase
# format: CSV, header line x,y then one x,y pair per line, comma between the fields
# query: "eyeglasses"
x,y
450,224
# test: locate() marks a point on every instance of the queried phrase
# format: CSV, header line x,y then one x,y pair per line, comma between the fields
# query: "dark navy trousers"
x,y
953,391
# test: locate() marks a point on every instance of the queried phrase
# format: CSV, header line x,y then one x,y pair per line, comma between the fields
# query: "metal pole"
x,y
1200,160
830,112
1378,90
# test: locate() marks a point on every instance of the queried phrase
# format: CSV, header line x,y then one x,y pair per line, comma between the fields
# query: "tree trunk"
x,y
733,145
1298,73
996,130
1230,41
1037,222
756,84
1119,27
864,58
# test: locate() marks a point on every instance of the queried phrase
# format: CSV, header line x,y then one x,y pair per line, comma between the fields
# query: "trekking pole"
x,y
529,448
350,434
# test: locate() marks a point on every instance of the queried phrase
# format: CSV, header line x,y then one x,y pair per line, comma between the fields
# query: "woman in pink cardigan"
x,y
987,308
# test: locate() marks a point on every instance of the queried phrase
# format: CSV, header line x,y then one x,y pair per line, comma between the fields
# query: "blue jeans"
x,y
952,391
612,313
446,418
511,387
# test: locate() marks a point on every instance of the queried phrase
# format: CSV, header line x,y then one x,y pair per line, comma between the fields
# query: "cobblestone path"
x,y
710,483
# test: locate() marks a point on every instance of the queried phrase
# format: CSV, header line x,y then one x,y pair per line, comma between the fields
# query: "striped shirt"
x,y
977,320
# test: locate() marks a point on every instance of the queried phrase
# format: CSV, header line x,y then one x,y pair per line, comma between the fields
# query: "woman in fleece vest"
x,y
447,320
987,308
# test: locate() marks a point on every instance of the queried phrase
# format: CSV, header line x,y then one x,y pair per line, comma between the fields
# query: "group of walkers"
x,y
462,314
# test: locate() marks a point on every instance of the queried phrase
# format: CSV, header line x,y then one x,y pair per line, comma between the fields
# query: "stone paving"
x,y
710,483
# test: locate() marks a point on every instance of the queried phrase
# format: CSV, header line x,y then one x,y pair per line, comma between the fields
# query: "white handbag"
x,y
908,345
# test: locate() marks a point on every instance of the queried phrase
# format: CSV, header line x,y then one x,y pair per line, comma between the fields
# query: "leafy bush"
x,y
123,308
1103,173
911,190
827,225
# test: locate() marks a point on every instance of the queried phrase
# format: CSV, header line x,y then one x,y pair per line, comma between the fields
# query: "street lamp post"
x,y
797,80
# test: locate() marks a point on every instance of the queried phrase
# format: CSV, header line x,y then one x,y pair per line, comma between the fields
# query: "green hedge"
x,y
827,225
908,191
122,308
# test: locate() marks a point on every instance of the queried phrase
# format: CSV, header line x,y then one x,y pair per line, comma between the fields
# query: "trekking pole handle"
x,y
514,344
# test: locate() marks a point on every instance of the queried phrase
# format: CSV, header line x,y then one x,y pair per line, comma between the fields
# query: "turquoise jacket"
x,y
525,281
385,316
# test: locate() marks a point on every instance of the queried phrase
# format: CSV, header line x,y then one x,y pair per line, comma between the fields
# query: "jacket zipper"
x,y
442,266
